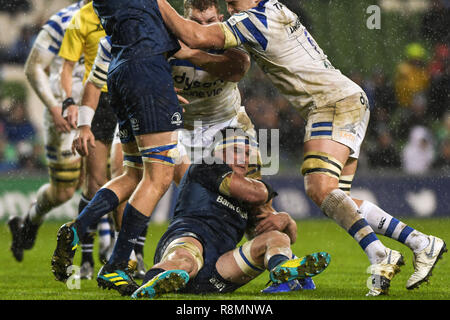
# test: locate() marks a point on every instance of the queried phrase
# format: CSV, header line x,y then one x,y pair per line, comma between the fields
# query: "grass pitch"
x,y
344,279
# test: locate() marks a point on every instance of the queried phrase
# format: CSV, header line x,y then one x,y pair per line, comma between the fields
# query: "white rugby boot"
x,y
383,272
424,262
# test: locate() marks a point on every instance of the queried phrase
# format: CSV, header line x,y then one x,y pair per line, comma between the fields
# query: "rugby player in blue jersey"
x,y
217,204
143,97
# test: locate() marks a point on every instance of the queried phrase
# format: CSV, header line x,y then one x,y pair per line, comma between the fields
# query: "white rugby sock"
x,y
341,208
385,224
42,206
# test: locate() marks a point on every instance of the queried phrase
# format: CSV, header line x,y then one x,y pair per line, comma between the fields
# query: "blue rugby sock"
x,y
276,260
151,274
133,222
103,202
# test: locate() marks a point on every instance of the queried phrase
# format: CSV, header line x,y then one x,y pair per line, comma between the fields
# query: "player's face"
x,y
236,6
239,158
204,17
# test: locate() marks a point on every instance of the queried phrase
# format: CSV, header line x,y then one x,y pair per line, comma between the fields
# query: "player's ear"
x,y
221,17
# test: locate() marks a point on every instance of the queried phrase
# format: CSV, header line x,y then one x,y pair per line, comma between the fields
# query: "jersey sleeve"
x,y
212,176
73,41
99,71
245,28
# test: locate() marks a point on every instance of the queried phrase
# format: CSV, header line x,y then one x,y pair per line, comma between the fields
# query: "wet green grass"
x,y
344,279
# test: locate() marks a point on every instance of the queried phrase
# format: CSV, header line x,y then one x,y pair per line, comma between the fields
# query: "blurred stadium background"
x,y
403,67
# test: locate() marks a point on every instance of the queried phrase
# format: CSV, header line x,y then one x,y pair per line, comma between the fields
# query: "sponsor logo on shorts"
x,y
176,119
134,124
123,133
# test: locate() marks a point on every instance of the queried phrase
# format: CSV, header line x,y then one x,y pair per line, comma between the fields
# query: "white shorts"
x,y
345,122
196,143
58,146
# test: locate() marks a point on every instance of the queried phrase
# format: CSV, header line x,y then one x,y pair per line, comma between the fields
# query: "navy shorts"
x,y
104,122
208,280
143,97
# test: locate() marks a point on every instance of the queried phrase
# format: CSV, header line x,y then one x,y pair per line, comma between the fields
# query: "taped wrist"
x,y
85,116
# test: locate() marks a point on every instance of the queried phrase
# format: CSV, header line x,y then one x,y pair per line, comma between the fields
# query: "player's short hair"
x,y
201,5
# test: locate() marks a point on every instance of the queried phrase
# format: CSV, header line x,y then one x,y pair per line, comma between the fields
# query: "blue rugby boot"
x,y
167,281
293,285
307,266
67,243
117,277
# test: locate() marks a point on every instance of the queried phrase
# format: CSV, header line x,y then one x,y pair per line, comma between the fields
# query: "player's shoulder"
x,y
59,21
210,175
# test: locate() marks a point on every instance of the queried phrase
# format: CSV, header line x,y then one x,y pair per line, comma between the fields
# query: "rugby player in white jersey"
x,y
337,115
42,69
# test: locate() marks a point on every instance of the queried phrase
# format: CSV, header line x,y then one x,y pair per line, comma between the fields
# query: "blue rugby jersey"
x,y
136,28
199,198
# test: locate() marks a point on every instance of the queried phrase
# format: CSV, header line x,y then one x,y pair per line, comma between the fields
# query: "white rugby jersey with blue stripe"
x,y
56,27
211,100
288,55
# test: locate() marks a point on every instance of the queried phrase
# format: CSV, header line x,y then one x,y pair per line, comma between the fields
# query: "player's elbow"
x,y
257,196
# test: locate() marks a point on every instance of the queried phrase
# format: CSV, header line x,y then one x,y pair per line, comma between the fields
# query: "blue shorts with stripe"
x,y
143,97
208,280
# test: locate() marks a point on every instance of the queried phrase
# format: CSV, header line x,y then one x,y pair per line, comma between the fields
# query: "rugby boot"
x,y
293,285
117,277
86,270
424,262
67,243
383,272
167,281
139,273
300,268
29,233
15,226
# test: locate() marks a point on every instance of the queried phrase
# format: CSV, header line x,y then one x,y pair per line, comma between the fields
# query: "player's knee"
x,y
317,192
61,194
279,237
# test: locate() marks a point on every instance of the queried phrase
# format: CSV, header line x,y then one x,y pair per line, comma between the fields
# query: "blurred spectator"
x,y
384,154
443,158
439,93
436,22
411,75
382,103
419,152
15,6
20,49
18,148
414,115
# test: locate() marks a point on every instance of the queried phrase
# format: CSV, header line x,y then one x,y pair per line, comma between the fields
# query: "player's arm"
x,y
35,68
71,51
246,189
231,65
269,220
190,32
91,95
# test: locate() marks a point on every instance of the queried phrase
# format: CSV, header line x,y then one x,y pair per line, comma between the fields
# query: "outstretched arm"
x,y
190,32
231,65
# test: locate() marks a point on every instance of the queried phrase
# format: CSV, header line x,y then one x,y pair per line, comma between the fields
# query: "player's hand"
x,y
61,124
72,115
84,139
276,221
184,53
180,98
